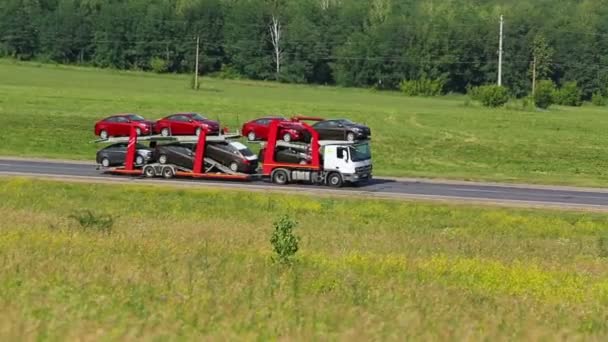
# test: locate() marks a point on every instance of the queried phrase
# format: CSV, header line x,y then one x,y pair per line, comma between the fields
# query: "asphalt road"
x,y
509,195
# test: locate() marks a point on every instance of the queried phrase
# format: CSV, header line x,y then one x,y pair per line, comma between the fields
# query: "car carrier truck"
x,y
332,163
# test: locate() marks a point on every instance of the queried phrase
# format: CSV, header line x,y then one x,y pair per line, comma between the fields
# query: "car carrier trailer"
x,y
203,167
332,163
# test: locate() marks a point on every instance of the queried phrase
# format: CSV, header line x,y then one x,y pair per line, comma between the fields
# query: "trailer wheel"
x,y
334,180
168,172
149,171
280,177
162,159
103,134
105,162
165,132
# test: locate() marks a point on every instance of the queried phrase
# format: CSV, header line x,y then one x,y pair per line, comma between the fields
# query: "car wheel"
x,y
334,180
280,177
162,159
139,160
350,136
198,131
251,136
287,137
105,162
138,131
103,134
165,132
149,171
234,166
168,172
303,162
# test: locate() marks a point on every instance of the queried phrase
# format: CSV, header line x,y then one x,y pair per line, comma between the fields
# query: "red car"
x,y
288,130
120,125
186,124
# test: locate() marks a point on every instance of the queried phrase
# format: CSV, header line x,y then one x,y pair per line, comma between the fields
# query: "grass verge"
x,y
192,264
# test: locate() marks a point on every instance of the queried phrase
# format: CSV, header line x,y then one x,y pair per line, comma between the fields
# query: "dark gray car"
x,y
115,155
233,155
341,129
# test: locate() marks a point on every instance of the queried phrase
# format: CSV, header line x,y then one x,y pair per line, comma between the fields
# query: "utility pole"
x,y
500,53
533,75
196,64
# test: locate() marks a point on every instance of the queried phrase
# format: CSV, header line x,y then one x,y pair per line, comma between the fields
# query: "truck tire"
x,y
149,171
280,177
334,180
168,172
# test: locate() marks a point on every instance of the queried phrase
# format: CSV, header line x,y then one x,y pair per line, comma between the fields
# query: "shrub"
x,y
228,72
158,65
568,95
422,87
284,241
543,95
490,95
598,99
91,222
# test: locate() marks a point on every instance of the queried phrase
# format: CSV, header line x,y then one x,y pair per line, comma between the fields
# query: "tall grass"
x,y
198,265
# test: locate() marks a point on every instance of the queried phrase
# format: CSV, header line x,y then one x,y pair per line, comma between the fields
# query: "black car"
x,y
287,155
341,129
233,155
115,155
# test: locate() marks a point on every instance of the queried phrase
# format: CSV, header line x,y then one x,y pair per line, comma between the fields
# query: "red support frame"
x,y
199,155
131,150
270,164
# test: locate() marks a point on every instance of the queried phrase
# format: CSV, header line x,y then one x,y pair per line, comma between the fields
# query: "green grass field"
x,y
188,265
49,111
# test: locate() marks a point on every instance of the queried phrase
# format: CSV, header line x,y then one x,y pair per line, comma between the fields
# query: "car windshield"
x,y
360,152
345,122
198,117
135,117
246,152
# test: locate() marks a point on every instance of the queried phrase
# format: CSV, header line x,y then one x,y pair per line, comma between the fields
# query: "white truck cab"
x,y
352,160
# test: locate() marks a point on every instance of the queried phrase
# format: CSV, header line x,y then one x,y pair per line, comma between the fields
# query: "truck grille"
x,y
362,169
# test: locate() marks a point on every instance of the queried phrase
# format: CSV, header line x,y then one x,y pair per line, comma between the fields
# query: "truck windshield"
x,y
360,152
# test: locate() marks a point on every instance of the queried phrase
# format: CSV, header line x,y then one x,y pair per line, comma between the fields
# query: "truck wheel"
x,y
103,134
280,177
251,136
165,132
350,136
105,162
149,171
168,172
334,180
162,159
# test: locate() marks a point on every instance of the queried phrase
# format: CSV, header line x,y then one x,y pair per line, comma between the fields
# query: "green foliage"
x,y
422,87
490,95
543,95
284,241
89,221
568,95
598,99
602,245
158,65
227,72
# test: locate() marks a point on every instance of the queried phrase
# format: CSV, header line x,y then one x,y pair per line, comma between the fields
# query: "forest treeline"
x,y
364,43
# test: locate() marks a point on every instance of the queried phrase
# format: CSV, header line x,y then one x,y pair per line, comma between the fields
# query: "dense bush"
x,y
598,99
158,65
422,87
490,95
284,241
568,95
544,94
